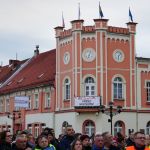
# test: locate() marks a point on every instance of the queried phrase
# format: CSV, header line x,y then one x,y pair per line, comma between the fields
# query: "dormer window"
x,y
20,80
40,75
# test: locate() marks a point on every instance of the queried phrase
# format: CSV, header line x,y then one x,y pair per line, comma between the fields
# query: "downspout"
x,y
136,98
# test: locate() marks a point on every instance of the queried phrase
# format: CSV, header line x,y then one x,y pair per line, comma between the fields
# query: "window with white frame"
x,y
36,131
148,128
47,100
29,103
36,101
89,87
117,127
118,88
1,105
7,105
89,127
148,90
67,89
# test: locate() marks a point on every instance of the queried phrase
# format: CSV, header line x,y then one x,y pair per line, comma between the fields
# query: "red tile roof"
x,y
40,70
8,70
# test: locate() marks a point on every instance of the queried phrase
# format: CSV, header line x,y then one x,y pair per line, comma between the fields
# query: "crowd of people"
x,y
73,141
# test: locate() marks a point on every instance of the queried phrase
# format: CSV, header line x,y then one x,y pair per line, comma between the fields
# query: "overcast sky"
x,y
26,23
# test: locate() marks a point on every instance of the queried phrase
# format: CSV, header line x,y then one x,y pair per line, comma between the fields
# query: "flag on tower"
x,y
63,22
79,13
130,15
100,12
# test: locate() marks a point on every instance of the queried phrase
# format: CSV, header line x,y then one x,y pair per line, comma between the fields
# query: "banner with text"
x,y
22,101
87,101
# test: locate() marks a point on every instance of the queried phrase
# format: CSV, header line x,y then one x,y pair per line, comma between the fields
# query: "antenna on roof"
x,y
37,47
16,56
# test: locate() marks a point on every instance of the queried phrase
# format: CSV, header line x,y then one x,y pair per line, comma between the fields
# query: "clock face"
x,y
118,55
66,57
88,54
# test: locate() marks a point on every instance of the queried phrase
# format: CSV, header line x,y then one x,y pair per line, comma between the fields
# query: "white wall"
x,y
46,118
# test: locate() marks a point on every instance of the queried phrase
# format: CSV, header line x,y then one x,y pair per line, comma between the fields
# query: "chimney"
x,y
14,63
36,52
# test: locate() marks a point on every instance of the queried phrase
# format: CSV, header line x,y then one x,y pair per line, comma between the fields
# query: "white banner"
x,y
87,101
22,101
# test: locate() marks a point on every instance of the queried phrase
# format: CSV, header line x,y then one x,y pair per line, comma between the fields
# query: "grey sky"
x,y
26,23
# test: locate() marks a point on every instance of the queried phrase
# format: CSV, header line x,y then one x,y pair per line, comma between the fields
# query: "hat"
x,y
83,137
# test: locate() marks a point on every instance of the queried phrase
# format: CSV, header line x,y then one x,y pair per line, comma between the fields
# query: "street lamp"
x,y
14,116
111,111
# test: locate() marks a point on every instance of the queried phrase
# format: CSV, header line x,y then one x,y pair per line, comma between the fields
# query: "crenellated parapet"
x,y
118,30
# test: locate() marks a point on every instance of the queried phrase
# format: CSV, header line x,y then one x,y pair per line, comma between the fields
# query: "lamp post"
x,y
15,115
111,111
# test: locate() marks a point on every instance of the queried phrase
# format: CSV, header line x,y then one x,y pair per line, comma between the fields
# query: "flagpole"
x,y
63,22
78,11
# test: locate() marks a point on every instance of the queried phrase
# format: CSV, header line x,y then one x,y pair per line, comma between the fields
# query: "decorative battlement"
x,y
66,33
77,25
118,30
89,29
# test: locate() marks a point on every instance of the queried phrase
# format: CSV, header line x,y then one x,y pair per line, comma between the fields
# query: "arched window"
x,y
67,89
118,88
119,127
89,87
148,128
89,127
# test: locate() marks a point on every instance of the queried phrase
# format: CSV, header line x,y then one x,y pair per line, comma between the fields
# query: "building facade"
x,y
92,66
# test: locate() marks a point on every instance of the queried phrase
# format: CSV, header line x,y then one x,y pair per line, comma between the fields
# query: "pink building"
x,y
91,66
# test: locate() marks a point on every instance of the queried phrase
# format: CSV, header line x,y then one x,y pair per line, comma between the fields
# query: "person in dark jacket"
x,y
65,143
51,136
108,142
98,142
21,143
6,139
130,140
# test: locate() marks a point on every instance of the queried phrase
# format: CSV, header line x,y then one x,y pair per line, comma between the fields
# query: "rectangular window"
x,y
87,91
148,91
118,89
67,96
36,101
1,105
92,90
36,131
29,103
7,105
47,100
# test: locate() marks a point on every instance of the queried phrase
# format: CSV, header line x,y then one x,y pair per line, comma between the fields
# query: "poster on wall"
x,y
21,101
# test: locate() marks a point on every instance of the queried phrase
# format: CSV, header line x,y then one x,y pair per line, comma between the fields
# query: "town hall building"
x,y
92,81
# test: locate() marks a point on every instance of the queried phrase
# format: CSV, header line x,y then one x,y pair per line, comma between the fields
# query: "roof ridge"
x,y
16,72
